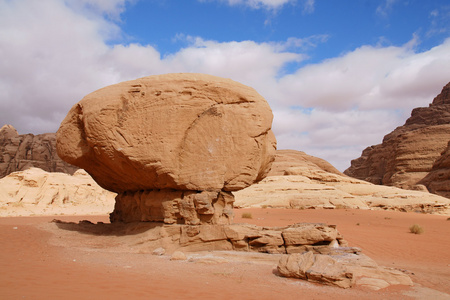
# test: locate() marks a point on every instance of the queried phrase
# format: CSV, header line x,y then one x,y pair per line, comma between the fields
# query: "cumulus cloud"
x,y
333,109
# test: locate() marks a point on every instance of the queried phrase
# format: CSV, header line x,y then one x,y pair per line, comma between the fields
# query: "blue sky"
x,y
338,75
334,27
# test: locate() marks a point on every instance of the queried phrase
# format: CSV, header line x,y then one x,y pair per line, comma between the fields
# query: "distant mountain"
x,y
414,154
21,152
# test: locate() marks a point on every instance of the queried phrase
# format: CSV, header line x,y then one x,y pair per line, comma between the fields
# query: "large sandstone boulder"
x,y
160,140
20,152
408,153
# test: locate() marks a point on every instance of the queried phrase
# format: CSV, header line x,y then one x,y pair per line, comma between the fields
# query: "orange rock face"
x,y
185,132
408,154
438,179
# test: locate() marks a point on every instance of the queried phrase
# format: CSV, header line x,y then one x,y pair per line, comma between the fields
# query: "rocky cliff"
x,y
409,153
438,179
21,152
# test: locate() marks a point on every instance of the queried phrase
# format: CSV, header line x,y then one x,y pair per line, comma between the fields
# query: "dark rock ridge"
x,y
21,152
407,155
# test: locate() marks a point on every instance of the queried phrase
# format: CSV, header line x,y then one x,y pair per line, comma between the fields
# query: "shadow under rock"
x,y
107,229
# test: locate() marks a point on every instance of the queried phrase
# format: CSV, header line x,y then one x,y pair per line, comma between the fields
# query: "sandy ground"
x,y
32,267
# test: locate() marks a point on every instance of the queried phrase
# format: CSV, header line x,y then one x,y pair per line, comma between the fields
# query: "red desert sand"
x,y
32,267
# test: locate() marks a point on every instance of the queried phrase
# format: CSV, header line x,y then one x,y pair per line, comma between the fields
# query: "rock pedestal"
x,y
172,146
174,207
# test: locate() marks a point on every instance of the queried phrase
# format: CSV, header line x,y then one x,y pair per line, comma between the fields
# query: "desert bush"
x,y
340,206
416,229
247,216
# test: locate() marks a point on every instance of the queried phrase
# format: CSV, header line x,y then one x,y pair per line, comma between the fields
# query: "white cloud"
x,y
332,109
111,8
386,7
262,4
440,21
309,6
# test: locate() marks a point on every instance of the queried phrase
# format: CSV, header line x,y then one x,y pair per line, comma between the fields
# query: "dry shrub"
x,y
416,229
247,216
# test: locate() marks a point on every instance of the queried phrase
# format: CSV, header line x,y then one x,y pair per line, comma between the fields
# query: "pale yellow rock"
x,y
308,234
178,255
35,191
344,270
306,185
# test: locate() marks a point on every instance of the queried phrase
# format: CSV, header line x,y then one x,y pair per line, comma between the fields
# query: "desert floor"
x,y
33,265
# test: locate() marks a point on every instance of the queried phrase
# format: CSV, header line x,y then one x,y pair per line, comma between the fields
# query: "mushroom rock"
x,y
172,146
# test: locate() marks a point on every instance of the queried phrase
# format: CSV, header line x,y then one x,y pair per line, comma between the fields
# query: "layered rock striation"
x,y
438,179
21,152
408,154
172,146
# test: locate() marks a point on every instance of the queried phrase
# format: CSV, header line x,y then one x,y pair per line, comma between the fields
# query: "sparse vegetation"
x,y
357,224
416,229
264,206
448,219
247,216
339,206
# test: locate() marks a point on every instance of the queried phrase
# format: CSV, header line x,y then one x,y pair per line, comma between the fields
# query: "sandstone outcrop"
x,y
20,152
340,269
306,185
36,192
173,146
438,179
150,237
408,154
326,255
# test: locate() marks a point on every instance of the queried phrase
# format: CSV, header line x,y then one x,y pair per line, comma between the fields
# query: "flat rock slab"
x,y
146,237
342,269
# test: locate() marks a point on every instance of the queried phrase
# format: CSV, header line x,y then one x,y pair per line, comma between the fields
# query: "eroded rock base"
x,y
174,207
310,251
145,237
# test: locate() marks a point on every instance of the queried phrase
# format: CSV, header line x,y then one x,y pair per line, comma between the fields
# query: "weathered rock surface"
x,y
306,185
408,154
329,259
438,179
340,269
175,132
20,152
148,237
35,191
288,162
